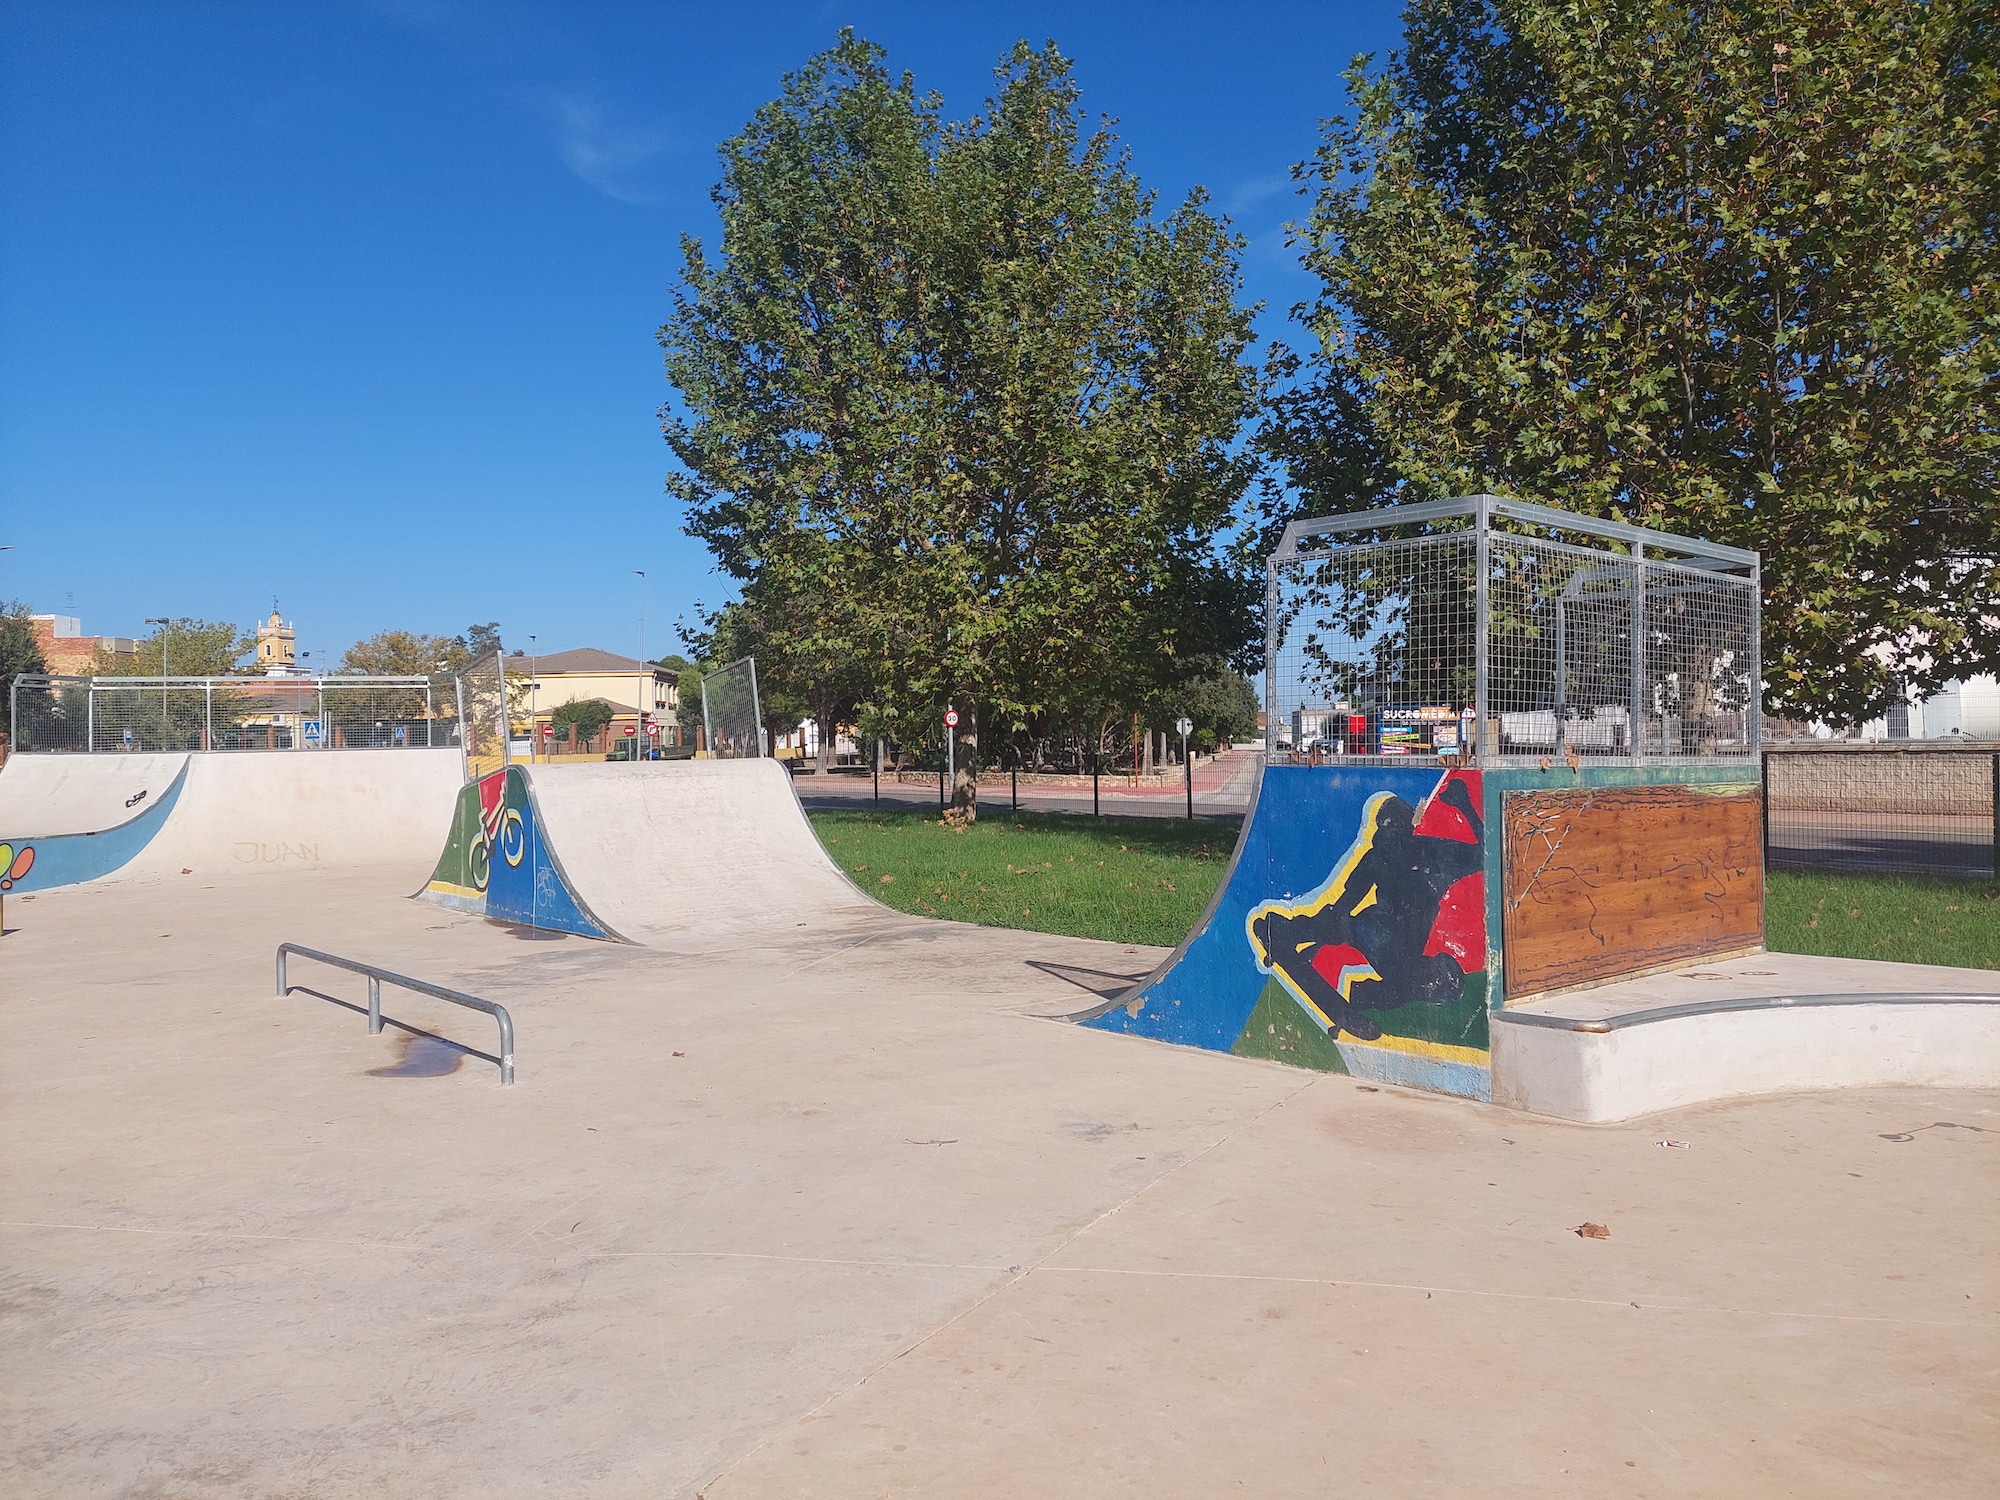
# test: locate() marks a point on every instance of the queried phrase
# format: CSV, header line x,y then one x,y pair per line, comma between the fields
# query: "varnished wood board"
x,y
1602,882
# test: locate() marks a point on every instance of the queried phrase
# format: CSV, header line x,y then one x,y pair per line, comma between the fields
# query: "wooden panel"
x,y
1607,881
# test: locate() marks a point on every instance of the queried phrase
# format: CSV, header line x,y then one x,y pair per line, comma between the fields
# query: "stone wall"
x,y
1906,777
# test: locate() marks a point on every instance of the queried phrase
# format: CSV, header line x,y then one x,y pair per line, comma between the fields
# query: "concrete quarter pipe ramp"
x,y
235,813
65,819
1349,934
695,856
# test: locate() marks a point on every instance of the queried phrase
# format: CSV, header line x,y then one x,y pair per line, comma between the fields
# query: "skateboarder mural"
x,y
1350,934
1399,921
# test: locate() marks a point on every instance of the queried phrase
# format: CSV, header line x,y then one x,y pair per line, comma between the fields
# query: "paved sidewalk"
x,y
811,1219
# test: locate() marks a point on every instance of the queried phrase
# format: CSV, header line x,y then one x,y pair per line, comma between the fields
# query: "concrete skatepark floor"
x,y
879,1230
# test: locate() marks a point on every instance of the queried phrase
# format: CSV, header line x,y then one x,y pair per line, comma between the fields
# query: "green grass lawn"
x,y
1128,880
1906,918
1147,880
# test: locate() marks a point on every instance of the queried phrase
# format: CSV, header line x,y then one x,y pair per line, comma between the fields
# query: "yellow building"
x,y
276,654
623,682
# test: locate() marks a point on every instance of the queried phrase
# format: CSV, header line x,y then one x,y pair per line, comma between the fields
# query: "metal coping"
x,y
1486,506
1721,1007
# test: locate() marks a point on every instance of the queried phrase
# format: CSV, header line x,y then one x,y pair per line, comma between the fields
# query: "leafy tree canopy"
x,y
20,652
411,653
956,407
588,715
186,647
1726,269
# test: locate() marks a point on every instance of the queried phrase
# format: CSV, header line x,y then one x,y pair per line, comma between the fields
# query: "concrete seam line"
x,y
1462,1291
1012,1281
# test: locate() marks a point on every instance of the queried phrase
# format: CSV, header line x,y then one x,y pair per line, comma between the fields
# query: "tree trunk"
x,y
827,731
965,779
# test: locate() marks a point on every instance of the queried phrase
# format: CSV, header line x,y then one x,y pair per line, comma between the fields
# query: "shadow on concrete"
x,y
424,1052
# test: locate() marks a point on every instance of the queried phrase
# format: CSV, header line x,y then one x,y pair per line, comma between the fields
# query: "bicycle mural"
x,y
494,864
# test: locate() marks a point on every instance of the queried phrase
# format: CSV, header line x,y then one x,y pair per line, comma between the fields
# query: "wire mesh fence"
x,y
1498,639
480,696
731,717
1886,807
120,714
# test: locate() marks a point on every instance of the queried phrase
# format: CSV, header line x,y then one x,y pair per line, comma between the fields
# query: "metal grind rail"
x,y
377,977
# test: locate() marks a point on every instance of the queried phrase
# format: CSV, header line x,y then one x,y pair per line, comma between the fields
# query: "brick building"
x,y
71,653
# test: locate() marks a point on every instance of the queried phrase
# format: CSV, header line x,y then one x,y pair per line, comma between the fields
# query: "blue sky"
x,y
353,303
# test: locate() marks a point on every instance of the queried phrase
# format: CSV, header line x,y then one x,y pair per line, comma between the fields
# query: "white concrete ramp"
x,y
81,818
699,855
259,814
49,796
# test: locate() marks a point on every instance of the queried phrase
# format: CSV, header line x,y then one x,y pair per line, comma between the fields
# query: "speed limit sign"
x,y
951,718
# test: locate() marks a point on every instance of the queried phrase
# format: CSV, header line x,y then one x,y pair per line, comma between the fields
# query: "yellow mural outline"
x,y
1331,890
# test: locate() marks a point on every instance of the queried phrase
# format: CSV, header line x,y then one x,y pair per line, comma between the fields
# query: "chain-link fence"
x,y
481,698
1912,807
1499,638
732,721
116,714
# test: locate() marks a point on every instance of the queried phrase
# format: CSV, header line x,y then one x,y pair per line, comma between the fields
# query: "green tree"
x,y
182,648
957,409
587,716
412,653
1725,269
20,652
403,653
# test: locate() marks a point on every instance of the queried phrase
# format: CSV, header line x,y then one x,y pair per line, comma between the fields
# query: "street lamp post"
x,y
534,730
645,673
1186,727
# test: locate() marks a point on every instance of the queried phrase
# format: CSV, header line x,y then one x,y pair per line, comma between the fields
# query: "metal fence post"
x,y
1996,817
208,713
1636,711
374,1005
1764,801
1482,627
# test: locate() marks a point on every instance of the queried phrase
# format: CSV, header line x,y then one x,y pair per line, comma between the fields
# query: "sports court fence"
x,y
1915,807
732,718
1510,630
129,714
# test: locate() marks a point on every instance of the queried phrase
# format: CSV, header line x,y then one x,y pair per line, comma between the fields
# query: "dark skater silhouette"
x,y
1409,873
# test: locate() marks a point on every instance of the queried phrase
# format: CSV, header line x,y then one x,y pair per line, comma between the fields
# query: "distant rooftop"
x,y
585,659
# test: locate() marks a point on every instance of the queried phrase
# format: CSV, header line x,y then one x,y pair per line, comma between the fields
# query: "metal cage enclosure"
x,y
1501,631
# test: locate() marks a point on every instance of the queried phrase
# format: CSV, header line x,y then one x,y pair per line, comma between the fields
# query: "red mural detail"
x,y
492,803
1460,929
1440,820
1333,960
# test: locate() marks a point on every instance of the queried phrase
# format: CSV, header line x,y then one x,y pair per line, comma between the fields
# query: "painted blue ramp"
x,y
1349,934
40,862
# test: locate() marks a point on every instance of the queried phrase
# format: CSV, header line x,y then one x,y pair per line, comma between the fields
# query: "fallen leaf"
x,y
1590,1231
680,1054
886,879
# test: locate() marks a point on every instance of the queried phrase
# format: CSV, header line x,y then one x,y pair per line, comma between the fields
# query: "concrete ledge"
x,y
1596,1069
